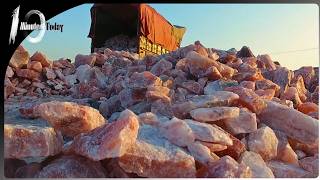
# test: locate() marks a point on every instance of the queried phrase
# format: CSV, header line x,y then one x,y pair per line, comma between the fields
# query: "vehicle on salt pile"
x,y
152,32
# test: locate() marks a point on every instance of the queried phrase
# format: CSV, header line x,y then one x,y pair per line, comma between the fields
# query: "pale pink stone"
x,y
208,133
42,58
227,167
284,170
246,122
257,165
154,156
177,132
214,113
264,142
201,153
22,141
70,118
72,166
110,140
290,121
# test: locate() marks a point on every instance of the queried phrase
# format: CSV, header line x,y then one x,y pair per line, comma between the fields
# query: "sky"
x,y
288,32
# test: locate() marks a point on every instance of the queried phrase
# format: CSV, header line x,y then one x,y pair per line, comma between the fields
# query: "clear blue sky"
x,y
265,28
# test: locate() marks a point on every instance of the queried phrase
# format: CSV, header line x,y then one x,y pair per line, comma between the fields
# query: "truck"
x,y
147,31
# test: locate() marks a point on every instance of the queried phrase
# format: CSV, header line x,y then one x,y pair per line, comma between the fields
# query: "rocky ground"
x,y
195,112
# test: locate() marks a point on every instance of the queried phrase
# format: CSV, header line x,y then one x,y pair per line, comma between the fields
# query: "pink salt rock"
x,y
162,108
57,64
59,74
110,106
198,64
308,107
299,85
282,76
9,72
212,73
100,77
218,85
266,59
235,150
28,171
100,58
158,92
248,84
290,121
284,170
199,48
264,142
201,153
257,165
182,65
50,74
267,94
227,167
177,132
35,65
110,140
252,61
149,118
291,93
40,57
192,86
208,133
143,80
250,74
214,147
246,122
129,97
19,58
83,90
72,166
216,98
267,84
310,164
248,99
29,110
309,149
182,52
160,67
70,118
28,73
22,141
11,166
214,113
307,72
154,156
284,151
84,59
84,73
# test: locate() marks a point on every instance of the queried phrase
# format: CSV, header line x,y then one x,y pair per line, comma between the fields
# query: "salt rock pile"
x,y
195,112
120,42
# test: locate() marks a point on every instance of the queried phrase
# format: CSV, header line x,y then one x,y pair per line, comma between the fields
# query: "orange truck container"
x,y
155,35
